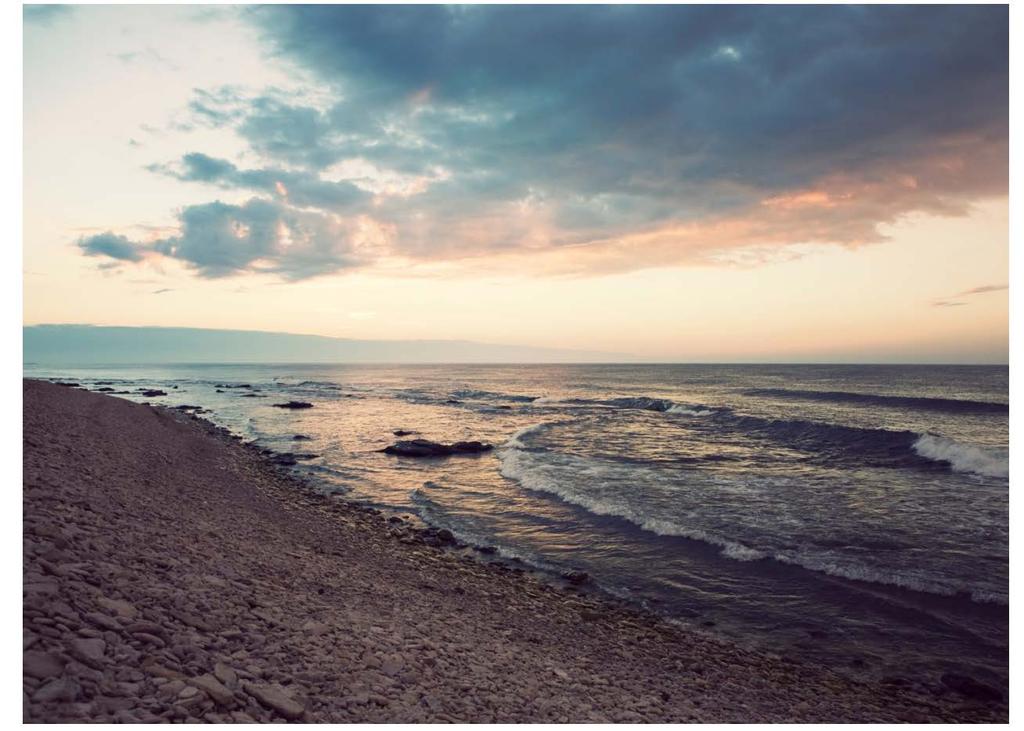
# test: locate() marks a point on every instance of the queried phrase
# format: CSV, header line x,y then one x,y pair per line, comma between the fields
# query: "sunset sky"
x,y
718,183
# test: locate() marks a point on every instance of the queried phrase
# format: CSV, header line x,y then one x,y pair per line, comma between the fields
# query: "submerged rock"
x,y
402,432
151,392
301,438
427,448
294,405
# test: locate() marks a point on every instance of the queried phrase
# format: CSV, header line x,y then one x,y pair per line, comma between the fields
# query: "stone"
x,y
294,405
41,665
118,607
225,675
275,698
576,577
89,650
213,688
59,689
103,620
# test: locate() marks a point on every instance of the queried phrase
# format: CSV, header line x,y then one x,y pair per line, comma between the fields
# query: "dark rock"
x,y
149,393
427,448
576,577
105,389
471,447
402,432
294,405
970,688
301,438
445,536
489,550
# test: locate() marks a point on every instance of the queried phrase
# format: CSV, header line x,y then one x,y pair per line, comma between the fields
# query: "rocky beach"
x,y
172,573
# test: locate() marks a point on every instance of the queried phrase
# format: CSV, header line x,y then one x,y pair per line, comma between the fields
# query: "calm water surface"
x,y
855,515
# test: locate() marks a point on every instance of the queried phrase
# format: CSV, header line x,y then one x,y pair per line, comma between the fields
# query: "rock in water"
x,y
427,448
294,405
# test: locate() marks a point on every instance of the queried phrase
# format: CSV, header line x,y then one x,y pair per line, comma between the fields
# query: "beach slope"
x,y
171,573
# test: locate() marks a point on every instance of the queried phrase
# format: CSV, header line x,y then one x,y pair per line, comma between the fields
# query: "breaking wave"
x,y
962,457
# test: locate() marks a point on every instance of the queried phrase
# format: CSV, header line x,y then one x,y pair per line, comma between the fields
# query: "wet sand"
x,y
172,573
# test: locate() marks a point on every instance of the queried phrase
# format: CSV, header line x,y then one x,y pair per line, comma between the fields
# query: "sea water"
x,y
855,516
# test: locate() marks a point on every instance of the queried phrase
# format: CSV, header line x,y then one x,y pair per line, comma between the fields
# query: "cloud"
x,y
110,245
300,188
968,293
263,236
983,289
45,14
148,56
599,138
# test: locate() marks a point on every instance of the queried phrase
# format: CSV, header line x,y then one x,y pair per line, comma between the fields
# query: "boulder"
x,y
151,392
294,405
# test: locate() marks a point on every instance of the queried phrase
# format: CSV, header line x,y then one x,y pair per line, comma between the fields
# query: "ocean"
x,y
855,516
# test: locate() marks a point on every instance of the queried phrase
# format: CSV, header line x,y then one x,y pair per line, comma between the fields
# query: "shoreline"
x,y
172,572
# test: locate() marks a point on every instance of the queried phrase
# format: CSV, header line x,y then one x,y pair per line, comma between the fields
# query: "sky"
x,y
680,183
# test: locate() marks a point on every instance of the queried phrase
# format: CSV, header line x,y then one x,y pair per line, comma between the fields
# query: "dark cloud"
x,y
631,136
299,188
219,239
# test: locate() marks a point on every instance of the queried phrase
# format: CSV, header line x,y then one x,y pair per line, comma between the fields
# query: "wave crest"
x,y
962,457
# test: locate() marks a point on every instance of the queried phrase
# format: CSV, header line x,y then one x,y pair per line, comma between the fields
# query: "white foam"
x,y
963,457
688,411
528,472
